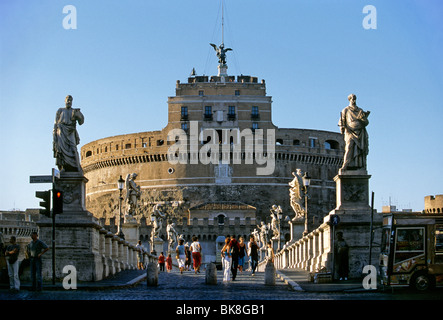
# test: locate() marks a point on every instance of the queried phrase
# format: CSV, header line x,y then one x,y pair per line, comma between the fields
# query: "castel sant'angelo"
x,y
219,164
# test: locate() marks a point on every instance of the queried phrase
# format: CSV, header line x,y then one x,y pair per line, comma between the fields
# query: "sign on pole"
x,y
335,219
40,179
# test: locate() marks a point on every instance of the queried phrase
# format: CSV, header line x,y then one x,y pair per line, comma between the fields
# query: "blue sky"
x,y
122,62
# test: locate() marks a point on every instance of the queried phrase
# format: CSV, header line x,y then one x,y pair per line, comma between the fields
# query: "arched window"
x,y
331,144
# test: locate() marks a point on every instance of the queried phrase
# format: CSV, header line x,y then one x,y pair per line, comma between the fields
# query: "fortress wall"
x,y
192,184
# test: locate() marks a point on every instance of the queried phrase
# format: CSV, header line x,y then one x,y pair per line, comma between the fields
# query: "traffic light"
x,y
46,203
57,201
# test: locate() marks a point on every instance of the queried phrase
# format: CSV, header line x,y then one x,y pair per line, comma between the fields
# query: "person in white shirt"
x,y
196,254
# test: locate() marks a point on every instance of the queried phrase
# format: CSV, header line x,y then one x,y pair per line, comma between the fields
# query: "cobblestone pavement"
x,y
187,286
188,295
190,286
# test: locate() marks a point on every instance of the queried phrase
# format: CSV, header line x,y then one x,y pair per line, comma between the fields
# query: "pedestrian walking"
x,y
35,249
196,254
161,261
235,250
188,257
140,250
11,253
342,254
242,254
226,260
169,263
253,253
181,255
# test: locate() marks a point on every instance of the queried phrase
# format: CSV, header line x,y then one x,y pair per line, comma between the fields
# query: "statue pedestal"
x,y
77,233
157,246
352,190
297,226
222,70
131,232
354,220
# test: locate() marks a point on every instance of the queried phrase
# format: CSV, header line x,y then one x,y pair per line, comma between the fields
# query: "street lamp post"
x,y
280,216
306,183
120,186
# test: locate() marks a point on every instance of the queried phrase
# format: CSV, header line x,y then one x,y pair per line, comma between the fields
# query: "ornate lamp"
x,y
306,182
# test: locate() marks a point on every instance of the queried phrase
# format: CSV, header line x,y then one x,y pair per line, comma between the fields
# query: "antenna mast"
x,y
223,24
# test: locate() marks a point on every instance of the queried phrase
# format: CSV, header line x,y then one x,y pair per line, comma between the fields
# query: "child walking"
x,y
169,263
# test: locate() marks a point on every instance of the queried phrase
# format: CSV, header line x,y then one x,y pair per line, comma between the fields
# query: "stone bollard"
x,y
211,274
152,274
270,274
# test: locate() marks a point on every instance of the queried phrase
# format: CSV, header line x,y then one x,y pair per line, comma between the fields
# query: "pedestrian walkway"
x,y
299,280
296,279
124,278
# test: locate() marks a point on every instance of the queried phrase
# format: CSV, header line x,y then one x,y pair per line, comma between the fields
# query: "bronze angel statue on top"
x,y
221,52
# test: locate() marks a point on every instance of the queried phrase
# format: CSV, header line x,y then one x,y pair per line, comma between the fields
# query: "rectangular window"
x,y
231,113
237,92
409,243
254,126
185,126
184,111
438,244
201,93
254,113
439,238
208,113
312,142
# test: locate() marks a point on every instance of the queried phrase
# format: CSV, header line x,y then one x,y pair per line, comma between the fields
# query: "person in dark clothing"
x,y
342,254
235,251
253,253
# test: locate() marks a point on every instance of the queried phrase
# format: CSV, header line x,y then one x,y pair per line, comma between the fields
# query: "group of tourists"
x,y
235,253
185,255
33,252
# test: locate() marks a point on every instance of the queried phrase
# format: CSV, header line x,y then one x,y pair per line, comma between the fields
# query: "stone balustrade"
x,y
312,252
116,253
17,228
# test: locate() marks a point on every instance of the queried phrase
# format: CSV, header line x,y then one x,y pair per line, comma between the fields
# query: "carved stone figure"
x,y
172,234
352,123
295,194
66,138
275,222
157,221
264,229
256,235
221,52
132,195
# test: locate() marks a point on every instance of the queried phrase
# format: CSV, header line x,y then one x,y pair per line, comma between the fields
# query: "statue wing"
x,y
214,46
228,49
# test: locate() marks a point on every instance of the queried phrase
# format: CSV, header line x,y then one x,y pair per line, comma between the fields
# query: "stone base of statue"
x,y
222,70
352,217
352,189
152,274
270,274
297,227
157,246
131,230
211,274
77,233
